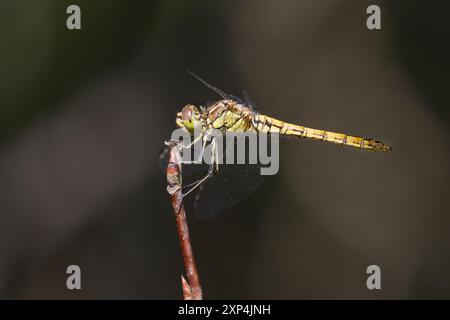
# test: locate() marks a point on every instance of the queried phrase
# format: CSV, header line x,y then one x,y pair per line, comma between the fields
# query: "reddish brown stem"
x,y
191,288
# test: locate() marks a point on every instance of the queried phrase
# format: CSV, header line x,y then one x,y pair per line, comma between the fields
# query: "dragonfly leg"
x,y
211,171
199,182
192,143
191,184
205,140
214,169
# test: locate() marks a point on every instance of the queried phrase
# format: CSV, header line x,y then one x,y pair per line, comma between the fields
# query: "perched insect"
x,y
232,114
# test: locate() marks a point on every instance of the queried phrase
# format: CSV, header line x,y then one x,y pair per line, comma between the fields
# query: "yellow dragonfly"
x,y
232,114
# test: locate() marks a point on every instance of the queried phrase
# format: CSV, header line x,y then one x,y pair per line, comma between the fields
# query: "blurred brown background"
x,y
83,116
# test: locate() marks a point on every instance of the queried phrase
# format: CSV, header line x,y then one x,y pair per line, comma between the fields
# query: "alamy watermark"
x,y
74,279
374,279
373,21
215,147
73,21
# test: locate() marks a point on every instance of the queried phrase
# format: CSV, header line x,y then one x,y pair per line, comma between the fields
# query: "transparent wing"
x,y
219,92
231,185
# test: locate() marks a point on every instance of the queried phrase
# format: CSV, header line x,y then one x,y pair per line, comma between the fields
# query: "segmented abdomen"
x,y
266,124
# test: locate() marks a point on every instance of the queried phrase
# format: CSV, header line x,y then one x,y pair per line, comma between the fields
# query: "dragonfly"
x,y
226,185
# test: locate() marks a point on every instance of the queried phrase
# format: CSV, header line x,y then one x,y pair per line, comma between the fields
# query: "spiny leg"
x,y
213,168
205,137
193,142
214,164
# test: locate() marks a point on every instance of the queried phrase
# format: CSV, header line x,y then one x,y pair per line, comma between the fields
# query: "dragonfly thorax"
x,y
229,115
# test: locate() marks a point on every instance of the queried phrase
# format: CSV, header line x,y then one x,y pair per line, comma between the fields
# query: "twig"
x,y
191,288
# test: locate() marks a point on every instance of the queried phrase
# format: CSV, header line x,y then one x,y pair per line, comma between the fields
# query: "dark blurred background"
x,y
83,117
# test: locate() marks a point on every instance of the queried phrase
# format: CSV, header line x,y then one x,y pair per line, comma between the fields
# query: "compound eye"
x,y
186,113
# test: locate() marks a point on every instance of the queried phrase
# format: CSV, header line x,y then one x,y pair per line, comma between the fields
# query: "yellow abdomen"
x,y
268,124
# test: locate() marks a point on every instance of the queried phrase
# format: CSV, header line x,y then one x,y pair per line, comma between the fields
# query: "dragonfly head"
x,y
189,118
